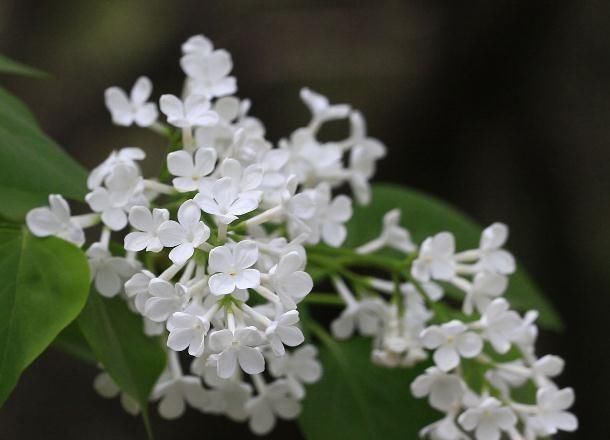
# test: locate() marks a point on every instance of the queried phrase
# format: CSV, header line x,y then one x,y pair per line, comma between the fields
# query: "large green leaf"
x,y
8,65
72,341
31,165
356,400
116,337
44,285
425,215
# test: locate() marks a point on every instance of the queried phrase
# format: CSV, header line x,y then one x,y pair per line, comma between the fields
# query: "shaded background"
x,y
500,107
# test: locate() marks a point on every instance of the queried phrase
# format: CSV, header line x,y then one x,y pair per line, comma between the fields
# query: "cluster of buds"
x,y
215,257
410,324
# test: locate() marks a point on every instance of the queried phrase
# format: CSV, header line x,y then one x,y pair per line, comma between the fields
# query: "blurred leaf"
x,y
116,337
357,400
39,296
424,216
72,341
15,67
32,166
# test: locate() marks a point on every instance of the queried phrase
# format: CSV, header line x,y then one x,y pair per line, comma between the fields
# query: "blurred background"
x,y
500,107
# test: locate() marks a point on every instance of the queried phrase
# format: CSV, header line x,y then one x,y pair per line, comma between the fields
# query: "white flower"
x,y
127,110
245,179
493,257
194,111
485,287
298,367
284,331
125,157
235,348
366,316
552,415
444,429
137,288
197,44
225,201
320,108
488,419
227,396
184,235
174,392
114,201
435,258
165,299
107,388
209,72
190,170
55,220
108,272
147,223
231,268
394,235
450,341
187,330
443,390
500,324
289,280
275,400
328,222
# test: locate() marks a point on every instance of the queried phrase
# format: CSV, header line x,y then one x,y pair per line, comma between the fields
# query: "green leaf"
x,y
32,166
116,337
8,65
357,400
425,215
43,286
72,341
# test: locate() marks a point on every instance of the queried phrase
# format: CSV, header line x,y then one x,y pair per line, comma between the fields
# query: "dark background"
x,y
500,107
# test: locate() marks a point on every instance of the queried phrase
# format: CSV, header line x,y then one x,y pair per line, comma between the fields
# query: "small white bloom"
x,y
107,388
165,299
123,186
137,288
55,220
175,392
184,235
493,257
147,223
190,170
552,416
366,315
450,341
227,396
126,110
443,390
488,419
235,348
107,271
298,367
485,287
395,236
225,201
275,400
444,429
197,44
283,331
208,73
125,157
320,108
289,281
194,111
187,330
500,324
231,268
435,258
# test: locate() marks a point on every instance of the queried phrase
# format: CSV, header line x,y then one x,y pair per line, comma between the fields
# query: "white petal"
x,y
221,284
248,279
181,253
171,233
180,163
42,222
446,358
251,360
141,90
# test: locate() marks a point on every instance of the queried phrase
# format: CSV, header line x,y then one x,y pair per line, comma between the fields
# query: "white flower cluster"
x,y
230,265
214,260
412,324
